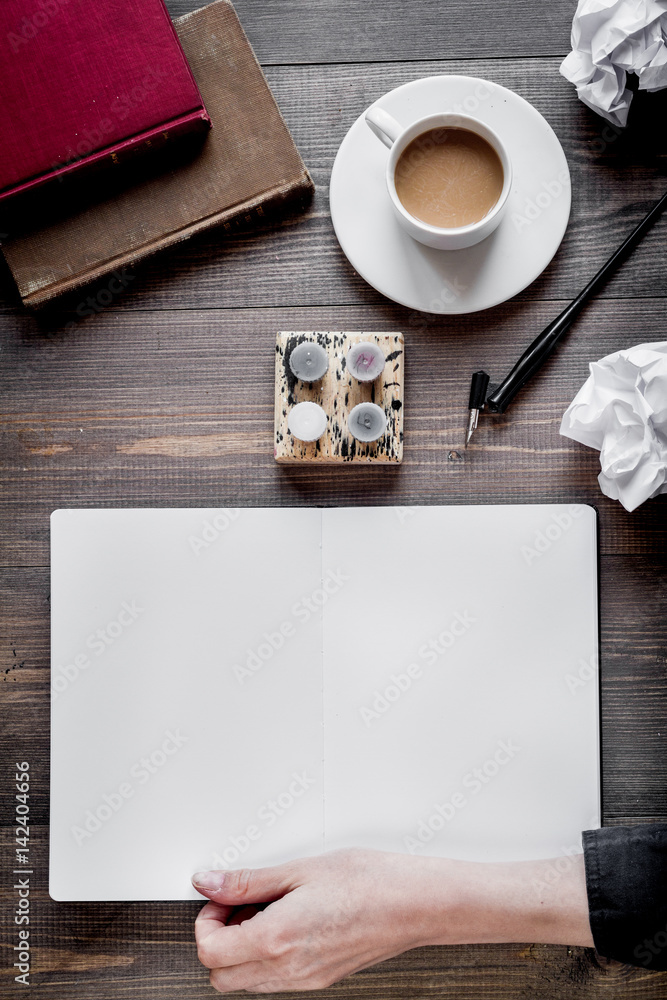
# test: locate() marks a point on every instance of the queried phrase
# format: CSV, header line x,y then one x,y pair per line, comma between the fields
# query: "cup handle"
x,y
383,126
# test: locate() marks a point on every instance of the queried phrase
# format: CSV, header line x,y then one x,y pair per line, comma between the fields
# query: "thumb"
x,y
246,885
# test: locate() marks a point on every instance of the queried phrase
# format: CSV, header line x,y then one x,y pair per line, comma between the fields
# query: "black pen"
x,y
478,387
529,362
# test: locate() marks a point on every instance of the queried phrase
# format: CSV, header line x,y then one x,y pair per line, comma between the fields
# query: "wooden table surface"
x,y
146,404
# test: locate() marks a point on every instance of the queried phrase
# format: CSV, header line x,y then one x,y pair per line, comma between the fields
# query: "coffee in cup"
x,y
448,177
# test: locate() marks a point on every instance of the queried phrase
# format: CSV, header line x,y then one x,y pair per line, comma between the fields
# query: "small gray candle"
x,y
307,421
309,361
367,422
365,361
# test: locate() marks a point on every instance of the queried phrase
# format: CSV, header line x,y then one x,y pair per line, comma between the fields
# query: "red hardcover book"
x,y
88,82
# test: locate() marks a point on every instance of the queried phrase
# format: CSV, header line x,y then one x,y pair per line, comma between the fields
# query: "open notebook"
x,y
239,687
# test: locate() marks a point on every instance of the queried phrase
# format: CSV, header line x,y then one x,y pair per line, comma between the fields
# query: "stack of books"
x,y
124,133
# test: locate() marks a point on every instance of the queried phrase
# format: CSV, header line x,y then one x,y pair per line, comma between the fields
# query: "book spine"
x,y
161,135
288,198
143,143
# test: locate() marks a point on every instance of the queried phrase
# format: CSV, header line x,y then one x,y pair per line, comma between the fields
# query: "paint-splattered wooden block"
x,y
337,392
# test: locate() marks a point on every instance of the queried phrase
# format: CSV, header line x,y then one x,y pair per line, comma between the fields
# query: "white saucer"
x,y
453,281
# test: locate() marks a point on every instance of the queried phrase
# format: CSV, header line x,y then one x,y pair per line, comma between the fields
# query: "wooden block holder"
x,y
337,392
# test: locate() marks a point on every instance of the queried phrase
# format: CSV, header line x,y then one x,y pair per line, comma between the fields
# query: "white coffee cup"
x,y
396,137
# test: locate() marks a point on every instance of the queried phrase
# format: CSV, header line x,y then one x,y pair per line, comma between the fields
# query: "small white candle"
x,y
367,422
365,361
307,421
309,361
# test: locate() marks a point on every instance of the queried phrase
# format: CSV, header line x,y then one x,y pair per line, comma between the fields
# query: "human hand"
x,y
328,916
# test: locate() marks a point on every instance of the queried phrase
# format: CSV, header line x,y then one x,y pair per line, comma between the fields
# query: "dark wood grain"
x,y
155,408
315,31
149,404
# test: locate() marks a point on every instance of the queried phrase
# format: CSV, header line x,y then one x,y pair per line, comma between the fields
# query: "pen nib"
x,y
472,424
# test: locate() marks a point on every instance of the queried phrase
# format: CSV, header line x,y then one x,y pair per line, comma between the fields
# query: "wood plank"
x,y
312,31
300,262
157,408
633,635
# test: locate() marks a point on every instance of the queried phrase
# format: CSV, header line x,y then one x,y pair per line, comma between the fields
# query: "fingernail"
x,y
208,880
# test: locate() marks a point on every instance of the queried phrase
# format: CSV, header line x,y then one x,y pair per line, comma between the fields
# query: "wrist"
x,y
461,902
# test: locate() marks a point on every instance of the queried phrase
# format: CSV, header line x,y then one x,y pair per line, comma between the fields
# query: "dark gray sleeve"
x,y
626,882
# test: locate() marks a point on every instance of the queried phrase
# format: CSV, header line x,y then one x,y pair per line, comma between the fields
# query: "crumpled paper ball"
x,y
611,38
622,411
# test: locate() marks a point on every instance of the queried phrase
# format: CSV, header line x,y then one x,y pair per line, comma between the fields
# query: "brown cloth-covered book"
x,y
247,167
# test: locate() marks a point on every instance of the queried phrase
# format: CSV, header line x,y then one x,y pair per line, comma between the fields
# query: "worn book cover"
x,y
246,167
88,83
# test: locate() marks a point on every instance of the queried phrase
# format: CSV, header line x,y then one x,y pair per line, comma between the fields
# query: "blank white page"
x,y
191,605
461,680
